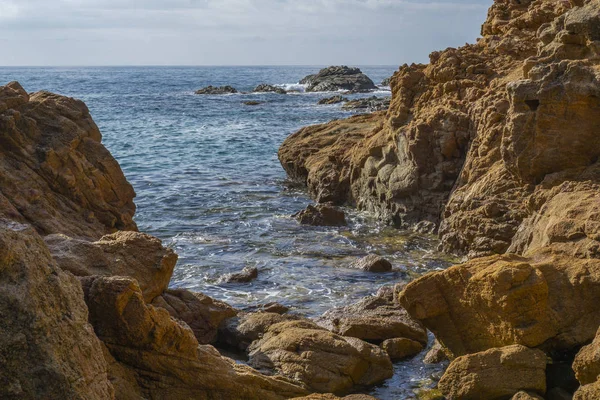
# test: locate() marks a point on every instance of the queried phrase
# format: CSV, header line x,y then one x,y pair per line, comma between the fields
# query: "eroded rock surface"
x,y
336,78
217,90
321,215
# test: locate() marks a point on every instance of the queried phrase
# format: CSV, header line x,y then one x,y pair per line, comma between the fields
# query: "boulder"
x,y
332,79
217,90
372,263
248,274
265,88
588,392
47,347
133,254
401,348
201,313
166,359
253,103
321,360
321,215
436,354
386,81
495,374
55,174
374,319
327,396
526,396
369,104
587,366
333,100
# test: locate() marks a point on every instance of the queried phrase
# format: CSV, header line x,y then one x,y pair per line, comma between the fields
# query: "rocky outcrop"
x,y
265,88
370,104
47,347
248,274
323,361
372,263
333,100
321,215
336,78
401,348
495,374
587,370
217,90
73,185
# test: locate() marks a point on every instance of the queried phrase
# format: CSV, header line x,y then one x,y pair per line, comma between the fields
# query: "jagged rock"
x,y
201,313
333,100
120,254
401,348
265,88
248,274
373,319
587,370
321,360
253,103
588,392
217,90
372,263
54,172
369,104
165,355
495,374
328,396
436,354
47,347
332,79
321,215
386,81
238,333
273,307
526,396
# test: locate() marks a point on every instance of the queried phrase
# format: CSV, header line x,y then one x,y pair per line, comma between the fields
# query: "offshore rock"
x,y
265,88
321,360
332,79
73,184
217,90
321,215
369,104
333,100
495,374
248,274
372,263
47,347
133,254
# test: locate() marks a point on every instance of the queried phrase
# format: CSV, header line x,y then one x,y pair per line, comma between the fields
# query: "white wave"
x,y
293,87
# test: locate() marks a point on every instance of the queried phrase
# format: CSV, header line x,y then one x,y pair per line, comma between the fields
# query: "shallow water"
x,y
209,184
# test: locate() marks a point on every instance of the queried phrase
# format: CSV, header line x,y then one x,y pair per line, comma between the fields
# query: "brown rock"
x,y
55,173
372,263
587,362
248,274
588,392
321,215
165,356
495,374
400,348
323,361
328,396
133,254
201,313
436,354
373,319
526,396
47,347
333,100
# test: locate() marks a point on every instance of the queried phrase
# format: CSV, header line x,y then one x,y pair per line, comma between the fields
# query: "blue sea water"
x,y
209,184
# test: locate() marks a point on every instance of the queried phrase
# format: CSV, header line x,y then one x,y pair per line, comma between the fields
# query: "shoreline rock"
x,y
217,90
332,79
321,215
266,88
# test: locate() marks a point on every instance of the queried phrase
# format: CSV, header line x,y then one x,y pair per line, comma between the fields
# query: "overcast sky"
x,y
233,32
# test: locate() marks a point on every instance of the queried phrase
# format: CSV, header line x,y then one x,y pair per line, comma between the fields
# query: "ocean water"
x,y
209,184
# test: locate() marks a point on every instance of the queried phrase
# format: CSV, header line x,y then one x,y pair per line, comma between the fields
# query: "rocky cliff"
x,y
494,146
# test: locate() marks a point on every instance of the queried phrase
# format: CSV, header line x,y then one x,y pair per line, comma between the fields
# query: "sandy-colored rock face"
x,y
47,347
495,374
74,186
587,370
323,361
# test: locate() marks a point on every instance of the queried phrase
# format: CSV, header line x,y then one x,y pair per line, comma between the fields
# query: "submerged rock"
x,y
333,100
265,88
372,263
321,360
248,274
321,215
253,103
217,90
369,104
332,79
495,374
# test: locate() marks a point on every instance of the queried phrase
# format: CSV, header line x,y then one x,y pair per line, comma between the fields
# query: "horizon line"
x,y
191,65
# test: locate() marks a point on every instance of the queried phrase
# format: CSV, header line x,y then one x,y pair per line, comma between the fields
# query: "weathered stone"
x,y
321,215
217,90
436,354
248,274
369,104
332,79
373,319
323,361
526,396
372,263
401,348
333,100
265,88
587,362
495,374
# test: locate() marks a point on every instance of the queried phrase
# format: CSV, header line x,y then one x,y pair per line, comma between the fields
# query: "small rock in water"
x,y
386,81
372,263
336,78
217,90
321,215
265,88
333,100
248,274
253,103
400,348
436,354
370,104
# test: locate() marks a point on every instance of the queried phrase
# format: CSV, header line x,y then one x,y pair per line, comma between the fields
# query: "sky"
x,y
233,32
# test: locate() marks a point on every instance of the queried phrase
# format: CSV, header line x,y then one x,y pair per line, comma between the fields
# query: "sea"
x,y
210,185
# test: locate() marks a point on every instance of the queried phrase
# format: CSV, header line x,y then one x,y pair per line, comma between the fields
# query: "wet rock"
x,y
253,103
316,396
201,313
164,355
369,104
332,79
526,396
372,263
217,90
333,100
321,360
265,88
495,374
321,215
247,275
47,347
373,319
386,81
436,354
134,254
401,348
275,307
239,332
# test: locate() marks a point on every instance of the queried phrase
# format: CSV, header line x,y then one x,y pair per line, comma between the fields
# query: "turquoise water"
x,y
209,184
